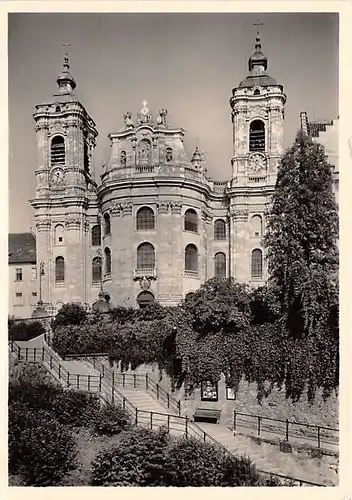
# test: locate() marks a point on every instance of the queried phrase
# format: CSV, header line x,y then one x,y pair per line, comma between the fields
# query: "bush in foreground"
x,y
111,420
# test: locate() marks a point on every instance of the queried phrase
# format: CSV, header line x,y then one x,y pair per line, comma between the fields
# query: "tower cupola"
x,y
65,80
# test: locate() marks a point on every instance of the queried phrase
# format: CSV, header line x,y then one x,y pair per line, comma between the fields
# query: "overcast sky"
x,y
187,63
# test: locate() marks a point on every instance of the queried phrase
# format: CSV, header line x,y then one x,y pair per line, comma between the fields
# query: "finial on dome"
x,y
65,80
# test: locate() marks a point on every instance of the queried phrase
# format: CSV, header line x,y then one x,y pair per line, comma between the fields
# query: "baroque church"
x,y
156,226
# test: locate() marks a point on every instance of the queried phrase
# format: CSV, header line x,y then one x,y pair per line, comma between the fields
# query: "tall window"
x,y
145,256
19,276
59,269
220,265
191,220
257,136
191,258
145,219
96,270
168,155
107,252
58,150
256,225
18,299
257,263
220,230
59,234
107,225
96,235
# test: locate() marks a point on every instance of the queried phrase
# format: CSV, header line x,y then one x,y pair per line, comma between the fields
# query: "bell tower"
x,y
257,111
65,202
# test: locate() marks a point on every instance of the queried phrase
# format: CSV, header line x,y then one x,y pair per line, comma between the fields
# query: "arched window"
x,y
145,257
59,234
256,226
257,263
107,226
107,253
220,230
123,158
59,269
144,151
256,92
96,270
191,220
96,235
144,299
145,219
220,265
58,150
191,258
168,155
257,136
58,109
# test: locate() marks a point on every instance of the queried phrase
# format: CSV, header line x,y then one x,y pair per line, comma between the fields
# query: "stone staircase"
x,y
149,406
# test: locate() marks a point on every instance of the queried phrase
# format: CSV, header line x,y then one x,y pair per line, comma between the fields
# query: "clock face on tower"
x,y
257,163
57,177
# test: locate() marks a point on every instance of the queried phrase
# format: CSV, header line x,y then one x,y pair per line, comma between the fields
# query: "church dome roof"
x,y
258,81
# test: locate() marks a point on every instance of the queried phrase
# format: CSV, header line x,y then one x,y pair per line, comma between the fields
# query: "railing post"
x,y
51,362
100,383
35,355
113,395
136,416
134,381
68,379
168,400
146,381
59,372
26,353
124,404
123,380
259,425
168,423
286,429
77,380
103,369
151,420
318,437
186,429
234,420
113,379
43,353
89,382
204,436
179,407
19,353
157,391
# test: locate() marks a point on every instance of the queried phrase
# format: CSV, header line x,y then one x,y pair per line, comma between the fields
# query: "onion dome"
x,y
257,65
197,156
65,80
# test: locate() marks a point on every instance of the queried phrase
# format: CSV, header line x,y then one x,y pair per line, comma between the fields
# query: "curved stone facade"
x,y
166,227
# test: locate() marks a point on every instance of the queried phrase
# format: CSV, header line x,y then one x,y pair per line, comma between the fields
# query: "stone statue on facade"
x,y
145,115
161,120
128,119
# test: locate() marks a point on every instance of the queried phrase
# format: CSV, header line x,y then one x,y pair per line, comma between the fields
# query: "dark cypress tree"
x,y
301,244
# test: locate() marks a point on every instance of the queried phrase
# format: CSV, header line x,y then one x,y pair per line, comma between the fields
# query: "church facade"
x,y
156,226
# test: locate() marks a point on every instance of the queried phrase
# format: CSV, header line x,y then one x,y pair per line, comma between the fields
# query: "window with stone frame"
x,y
169,155
18,299
59,234
145,219
97,270
57,151
219,230
191,220
107,253
96,235
256,226
145,257
123,158
191,258
257,264
220,265
59,270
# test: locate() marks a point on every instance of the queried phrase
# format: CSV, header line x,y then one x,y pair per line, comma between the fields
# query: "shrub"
x,y
69,314
76,408
192,463
111,420
239,471
25,330
138,460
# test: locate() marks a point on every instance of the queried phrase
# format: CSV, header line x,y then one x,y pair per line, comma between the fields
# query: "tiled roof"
x,y
22,248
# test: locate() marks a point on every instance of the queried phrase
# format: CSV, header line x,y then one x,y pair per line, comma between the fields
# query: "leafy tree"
x,y
70,314
302,255
219,304
25,330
